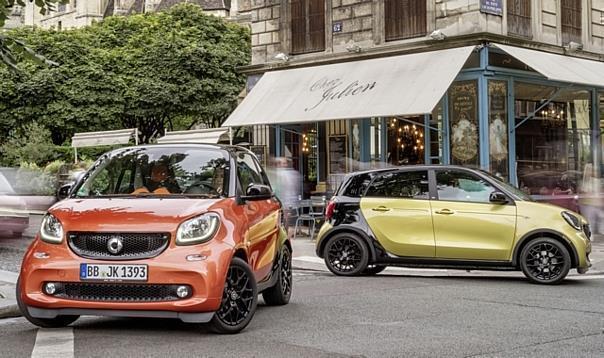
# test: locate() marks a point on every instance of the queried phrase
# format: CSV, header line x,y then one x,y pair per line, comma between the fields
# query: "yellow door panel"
x,y
473,231
402,226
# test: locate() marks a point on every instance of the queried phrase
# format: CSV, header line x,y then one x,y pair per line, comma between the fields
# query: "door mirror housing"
x,y
498,197
257,192
64,191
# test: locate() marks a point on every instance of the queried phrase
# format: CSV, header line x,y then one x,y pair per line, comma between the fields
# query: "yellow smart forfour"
x,y
448,217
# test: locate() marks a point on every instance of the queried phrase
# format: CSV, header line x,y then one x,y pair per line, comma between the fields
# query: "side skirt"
x,y
413,262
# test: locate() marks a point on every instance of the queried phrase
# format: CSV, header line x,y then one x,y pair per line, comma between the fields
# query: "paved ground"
x,y
398,313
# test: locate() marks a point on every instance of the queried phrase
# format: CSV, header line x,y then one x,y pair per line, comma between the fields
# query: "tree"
x,y
8,45
147,71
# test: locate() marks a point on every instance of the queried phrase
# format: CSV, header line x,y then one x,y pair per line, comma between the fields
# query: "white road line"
x,y
51,343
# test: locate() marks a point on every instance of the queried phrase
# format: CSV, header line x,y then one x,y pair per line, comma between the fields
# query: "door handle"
x,y
381,208
445,212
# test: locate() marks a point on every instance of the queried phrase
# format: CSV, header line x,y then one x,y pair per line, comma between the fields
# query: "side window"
x,y
462,186
357,185
248,171
404,184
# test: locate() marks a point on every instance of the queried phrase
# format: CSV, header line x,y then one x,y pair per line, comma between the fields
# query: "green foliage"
x,y
155,71
31,180
31,144
54,167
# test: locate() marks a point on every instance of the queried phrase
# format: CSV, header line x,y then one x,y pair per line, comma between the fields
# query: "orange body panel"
x,y
252,227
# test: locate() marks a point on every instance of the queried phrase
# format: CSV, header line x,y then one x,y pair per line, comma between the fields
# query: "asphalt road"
x,y
395,314
382,316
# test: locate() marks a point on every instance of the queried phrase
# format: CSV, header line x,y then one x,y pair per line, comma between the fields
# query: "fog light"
x,y
50,288
182,291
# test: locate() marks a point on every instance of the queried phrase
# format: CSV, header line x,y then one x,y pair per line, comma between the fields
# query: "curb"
x,y
9,310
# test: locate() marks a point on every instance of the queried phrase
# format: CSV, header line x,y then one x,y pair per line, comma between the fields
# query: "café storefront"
x,y
528,116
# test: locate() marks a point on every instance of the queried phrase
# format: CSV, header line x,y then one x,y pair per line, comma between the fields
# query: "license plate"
x,y
113,272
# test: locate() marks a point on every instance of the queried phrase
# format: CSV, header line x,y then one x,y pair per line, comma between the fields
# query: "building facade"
x,y
84,12
516,88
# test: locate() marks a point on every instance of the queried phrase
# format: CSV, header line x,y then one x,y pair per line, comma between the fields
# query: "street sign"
x,y
493,7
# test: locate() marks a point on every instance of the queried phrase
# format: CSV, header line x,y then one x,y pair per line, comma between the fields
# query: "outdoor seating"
x,y
309,212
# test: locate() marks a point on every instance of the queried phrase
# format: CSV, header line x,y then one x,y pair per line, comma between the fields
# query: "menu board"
x,y
498,129
463,110
261,153
338,152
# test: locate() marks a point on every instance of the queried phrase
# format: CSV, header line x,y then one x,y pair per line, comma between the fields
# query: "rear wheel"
x,y
346,255
239,299
545,260
57,322
281,292
373,270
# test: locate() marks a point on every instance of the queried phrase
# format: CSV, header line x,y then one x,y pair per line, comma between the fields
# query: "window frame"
x,y
509,14
402,36
259,168
436,197
568,36
306,47
406,170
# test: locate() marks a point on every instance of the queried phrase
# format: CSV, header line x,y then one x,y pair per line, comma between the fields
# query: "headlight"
x,y
51,230
572,220
197,230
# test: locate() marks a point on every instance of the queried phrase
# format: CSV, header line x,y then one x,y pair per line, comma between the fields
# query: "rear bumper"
x,y
187,317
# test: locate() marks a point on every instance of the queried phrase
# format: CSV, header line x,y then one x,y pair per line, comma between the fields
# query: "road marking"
x,y
318,260
586,277
56,342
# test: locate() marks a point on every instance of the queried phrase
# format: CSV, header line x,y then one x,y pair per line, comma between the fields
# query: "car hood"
x,y
130,214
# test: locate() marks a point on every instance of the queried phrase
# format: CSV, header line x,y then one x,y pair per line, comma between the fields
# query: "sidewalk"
x,y
8,304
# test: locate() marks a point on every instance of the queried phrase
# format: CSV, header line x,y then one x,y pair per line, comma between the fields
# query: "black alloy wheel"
x,y
346,255
239,299
281,292
545,260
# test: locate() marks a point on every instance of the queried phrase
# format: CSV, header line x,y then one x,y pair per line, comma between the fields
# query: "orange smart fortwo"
x,y
188,231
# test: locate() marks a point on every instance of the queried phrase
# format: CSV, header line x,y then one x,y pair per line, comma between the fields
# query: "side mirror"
x,y
257,192
498,197
63,191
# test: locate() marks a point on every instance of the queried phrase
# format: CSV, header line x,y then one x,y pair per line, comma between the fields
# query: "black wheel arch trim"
x,y
547,233
342,229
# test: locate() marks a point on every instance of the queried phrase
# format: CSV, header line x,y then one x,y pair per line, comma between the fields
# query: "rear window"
x,y
357,185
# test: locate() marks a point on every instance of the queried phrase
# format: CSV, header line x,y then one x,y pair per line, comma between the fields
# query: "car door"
x,y
262,217
466,224
397,209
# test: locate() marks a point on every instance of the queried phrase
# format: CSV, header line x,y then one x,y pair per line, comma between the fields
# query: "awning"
x,y
398,85
211,135
558,67
92,139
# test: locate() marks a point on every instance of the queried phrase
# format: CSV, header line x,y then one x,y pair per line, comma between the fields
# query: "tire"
x,y
544,260
346,254
281,292
239,299
57,322
373,270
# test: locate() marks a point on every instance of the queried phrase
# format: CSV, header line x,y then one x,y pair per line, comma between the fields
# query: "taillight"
x,y
331,205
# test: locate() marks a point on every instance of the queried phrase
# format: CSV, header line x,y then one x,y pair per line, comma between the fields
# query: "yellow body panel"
x,y
473,231
537,216
402,226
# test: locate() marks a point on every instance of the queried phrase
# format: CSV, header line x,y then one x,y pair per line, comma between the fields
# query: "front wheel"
x,y
239,299
346,255
545,260
57,322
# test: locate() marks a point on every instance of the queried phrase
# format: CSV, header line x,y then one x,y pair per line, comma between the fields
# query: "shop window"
x,y
405,184
463,122
519,18
498,128
405,141
553,146
571,20
307,26
405,19
437,134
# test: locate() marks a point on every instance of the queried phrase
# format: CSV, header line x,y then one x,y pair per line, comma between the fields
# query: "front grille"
x,y
94,245
587,230
116,292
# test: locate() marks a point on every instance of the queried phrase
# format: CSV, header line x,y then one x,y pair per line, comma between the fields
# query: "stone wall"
x,y
597,23
354,19
266,43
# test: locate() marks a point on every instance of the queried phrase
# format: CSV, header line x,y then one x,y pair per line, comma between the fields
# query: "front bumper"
x,y
205,278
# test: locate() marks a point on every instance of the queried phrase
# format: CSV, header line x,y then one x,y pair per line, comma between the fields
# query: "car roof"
x,y
412,167
229,148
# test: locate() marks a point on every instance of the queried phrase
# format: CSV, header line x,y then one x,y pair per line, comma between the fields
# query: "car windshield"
x,y
158,172
510,188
